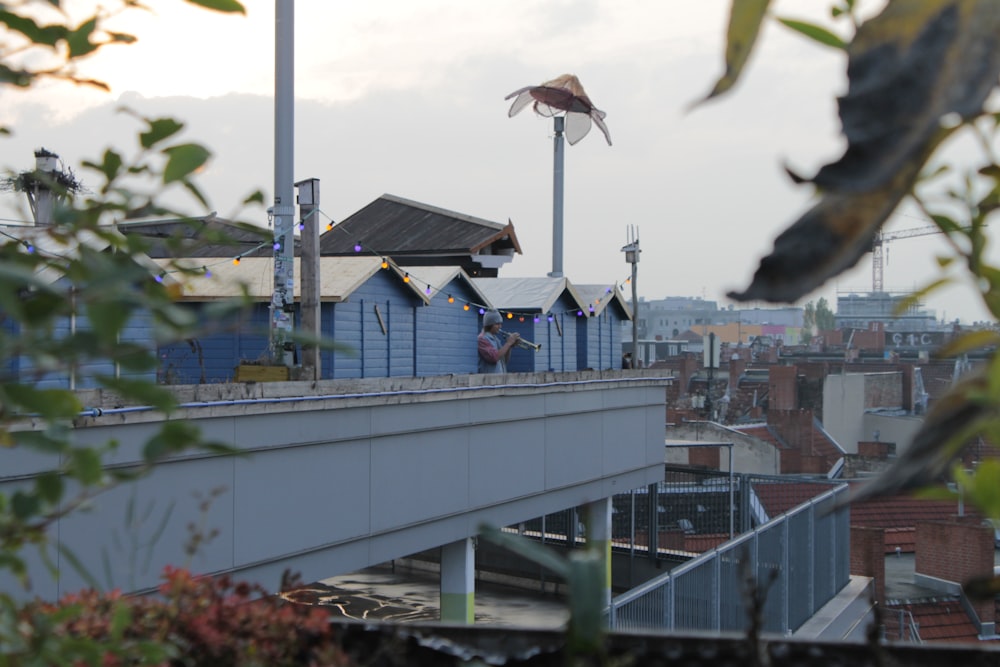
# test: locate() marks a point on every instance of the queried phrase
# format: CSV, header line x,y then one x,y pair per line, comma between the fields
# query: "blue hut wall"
x,y
583,342
557,337
600,340
445,333
522,360
214,358
137,330
376,326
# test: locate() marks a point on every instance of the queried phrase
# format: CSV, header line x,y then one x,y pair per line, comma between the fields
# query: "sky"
x,y
406,97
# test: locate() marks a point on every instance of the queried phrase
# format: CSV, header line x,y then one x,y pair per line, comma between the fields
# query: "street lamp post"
x,y
564,100
631,250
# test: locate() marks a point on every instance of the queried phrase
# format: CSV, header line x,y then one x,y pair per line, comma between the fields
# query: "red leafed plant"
x,y
196,620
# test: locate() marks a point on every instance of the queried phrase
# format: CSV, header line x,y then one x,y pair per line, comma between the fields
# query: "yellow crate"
x,y
255,373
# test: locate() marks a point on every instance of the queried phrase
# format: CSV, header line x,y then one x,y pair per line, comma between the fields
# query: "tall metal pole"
x,y
635,309
557,197
631,250
283,298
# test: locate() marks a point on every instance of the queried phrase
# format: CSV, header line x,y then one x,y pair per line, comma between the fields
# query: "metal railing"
x,y
693,510
899,625
794,564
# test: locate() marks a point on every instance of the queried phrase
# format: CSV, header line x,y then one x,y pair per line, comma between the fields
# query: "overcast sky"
x,y
406,97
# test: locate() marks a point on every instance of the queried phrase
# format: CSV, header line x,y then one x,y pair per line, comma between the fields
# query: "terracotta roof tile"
x,y
938,620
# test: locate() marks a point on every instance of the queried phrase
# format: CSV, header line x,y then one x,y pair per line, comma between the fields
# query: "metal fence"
x,y
785,568
693,511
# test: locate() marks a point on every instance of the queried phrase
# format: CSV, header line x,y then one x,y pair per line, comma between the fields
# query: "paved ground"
x,y
378,593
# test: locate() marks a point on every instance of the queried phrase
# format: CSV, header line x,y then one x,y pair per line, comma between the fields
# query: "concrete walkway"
x,y
380,594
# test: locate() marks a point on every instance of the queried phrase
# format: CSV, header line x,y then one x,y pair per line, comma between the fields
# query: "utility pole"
x,y
631,250
283,211
309,285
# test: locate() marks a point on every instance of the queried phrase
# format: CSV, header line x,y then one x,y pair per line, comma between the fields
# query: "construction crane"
x,y
881,238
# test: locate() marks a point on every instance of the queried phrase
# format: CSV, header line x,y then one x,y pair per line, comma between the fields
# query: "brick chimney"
x,y
868,556
783,388
689,366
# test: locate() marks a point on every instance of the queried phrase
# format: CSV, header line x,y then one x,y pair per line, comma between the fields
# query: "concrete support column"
x,y
599,537
458,582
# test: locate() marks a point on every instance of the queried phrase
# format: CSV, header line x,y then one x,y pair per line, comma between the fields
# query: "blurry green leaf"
x,y
121,37
159,129
41,441
195,191
893,124
256,197
107,318
48,35
745,18
85,465
982,487
944,262
15,77
221,5
970,341
79,39
141,391
49,486
67,554
121,617
51,403
24,505
525,548
587,585
10,561
183,160
173,437
110,166
914,299
815,32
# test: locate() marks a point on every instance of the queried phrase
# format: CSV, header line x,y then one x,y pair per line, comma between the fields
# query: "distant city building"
x,y
859,311
678,318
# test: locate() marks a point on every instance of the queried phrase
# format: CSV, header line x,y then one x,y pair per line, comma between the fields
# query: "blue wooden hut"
x,y
599,334
369,311
447,326
138,329
542,310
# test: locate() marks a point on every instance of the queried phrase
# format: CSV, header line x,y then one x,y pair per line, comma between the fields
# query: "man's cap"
x,y
490,318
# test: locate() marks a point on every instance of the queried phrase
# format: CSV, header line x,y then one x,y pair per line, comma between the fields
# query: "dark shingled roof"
x,y
411,232
206,236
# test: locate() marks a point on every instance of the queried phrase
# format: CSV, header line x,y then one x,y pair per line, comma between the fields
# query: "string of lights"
x,y
469,306
479,308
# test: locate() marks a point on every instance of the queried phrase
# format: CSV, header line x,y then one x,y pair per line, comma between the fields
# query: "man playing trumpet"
x,y
494,353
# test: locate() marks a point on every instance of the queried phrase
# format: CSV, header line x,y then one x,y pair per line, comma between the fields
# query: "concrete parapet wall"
x,y
342,475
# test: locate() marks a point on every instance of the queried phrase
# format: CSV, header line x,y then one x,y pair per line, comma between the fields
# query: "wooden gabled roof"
x,y
528,294
220,278
602,296
400,227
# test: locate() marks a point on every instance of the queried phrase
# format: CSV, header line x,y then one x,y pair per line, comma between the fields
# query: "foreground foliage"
x,y
920,74
196,621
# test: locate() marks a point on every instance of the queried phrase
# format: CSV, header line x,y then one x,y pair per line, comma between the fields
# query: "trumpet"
x,y
523,343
